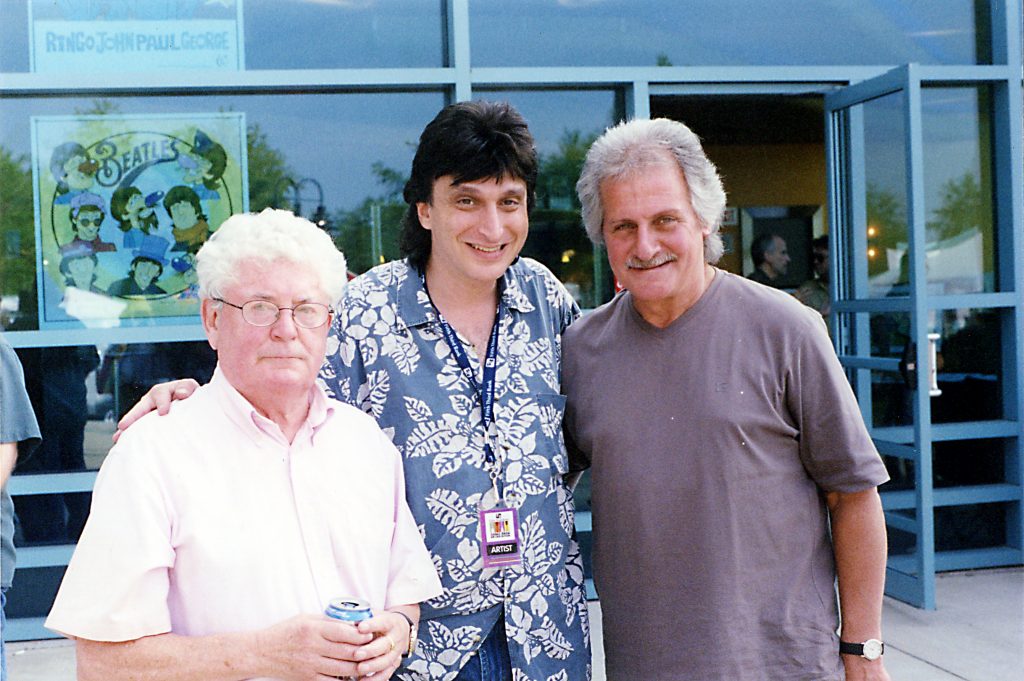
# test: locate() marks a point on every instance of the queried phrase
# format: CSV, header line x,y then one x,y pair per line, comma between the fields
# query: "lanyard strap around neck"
x,y
484,390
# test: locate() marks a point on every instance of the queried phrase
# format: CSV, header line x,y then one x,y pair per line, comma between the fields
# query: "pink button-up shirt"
x,y
208,521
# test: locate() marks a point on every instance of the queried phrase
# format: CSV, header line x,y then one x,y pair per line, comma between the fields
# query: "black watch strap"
x,y
853,648
412,633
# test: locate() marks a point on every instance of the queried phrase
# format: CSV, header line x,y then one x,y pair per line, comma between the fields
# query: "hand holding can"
x,y
351,610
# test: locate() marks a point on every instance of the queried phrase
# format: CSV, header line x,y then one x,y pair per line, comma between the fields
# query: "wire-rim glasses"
x,y
265,313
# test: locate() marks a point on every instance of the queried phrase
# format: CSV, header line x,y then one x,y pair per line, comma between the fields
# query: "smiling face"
x,y
476,230
655,240
87,223
268,363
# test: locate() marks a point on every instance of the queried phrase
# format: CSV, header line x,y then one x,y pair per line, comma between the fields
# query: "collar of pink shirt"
x,y
257,426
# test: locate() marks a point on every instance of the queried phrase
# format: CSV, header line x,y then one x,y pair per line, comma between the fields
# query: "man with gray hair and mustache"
x,y
723,440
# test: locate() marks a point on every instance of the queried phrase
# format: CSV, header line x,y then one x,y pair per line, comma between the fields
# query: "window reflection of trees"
x,y
959,239
558,239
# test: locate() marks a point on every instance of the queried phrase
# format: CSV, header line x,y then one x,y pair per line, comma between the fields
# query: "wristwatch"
x,y
871,649
412,634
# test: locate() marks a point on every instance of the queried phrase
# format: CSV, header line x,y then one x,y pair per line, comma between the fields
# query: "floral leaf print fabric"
x,y
388,357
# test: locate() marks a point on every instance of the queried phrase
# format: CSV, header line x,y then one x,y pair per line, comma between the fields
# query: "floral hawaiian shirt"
x,y
386,354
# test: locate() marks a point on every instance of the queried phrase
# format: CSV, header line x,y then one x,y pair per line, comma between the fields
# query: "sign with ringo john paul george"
x,y
123,203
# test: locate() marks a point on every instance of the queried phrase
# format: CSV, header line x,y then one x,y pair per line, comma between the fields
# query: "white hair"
x,y
628,148
267,237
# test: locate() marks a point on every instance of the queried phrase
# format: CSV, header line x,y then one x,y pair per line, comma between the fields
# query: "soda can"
x,y
351,610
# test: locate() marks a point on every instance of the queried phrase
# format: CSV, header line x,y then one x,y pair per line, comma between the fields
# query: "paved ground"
x,y
977,634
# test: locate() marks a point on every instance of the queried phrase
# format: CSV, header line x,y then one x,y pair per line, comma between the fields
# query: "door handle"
x,y
933,372
908,365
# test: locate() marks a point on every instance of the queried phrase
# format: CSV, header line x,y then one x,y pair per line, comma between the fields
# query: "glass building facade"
x,y
892,126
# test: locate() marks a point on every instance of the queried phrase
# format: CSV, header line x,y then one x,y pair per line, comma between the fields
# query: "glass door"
x,y
926,315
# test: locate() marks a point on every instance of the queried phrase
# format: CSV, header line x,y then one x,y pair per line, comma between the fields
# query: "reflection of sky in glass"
x,y
951,129
885,174
958,189
333,139
721,32
550,113
952,135
884,150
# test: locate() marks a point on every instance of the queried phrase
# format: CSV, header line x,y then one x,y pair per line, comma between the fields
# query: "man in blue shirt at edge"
x,y
470,193
19,436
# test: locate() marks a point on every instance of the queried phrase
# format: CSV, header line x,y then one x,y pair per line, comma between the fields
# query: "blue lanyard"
x,y
485,390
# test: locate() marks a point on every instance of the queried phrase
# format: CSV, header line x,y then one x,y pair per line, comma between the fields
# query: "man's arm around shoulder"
x,y
858,538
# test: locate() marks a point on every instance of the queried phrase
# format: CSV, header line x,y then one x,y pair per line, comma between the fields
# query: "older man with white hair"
x,y
219,533
724,443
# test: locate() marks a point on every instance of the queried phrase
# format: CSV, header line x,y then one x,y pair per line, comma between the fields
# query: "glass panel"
x,y
891,404
956,125
728,32
902,543
356,160
969,462
564,125
885,168
890,332
977,526
970,361
969,358
133,35
78,393
901,477
383,33
33,591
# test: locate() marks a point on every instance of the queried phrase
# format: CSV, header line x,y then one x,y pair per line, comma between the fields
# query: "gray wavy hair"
x,y
631,146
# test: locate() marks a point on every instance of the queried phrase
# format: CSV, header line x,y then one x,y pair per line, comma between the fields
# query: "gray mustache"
x,y
659,259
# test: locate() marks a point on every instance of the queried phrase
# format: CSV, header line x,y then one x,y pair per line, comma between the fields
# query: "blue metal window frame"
x,y
457,80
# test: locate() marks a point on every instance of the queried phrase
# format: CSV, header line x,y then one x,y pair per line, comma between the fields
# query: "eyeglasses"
x,y
85,222
265,313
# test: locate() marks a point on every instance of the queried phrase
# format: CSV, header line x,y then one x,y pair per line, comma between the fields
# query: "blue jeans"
x,y
491,662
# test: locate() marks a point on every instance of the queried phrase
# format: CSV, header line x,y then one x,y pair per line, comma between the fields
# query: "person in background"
x,y
218,534
771,259
733,479
814,292
456,351
19,435
55,378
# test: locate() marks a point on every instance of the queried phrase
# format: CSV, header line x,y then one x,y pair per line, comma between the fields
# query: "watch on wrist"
x,y
412,633
872,649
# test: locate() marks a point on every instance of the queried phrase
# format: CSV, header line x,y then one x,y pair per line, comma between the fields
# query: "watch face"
x,y
872,649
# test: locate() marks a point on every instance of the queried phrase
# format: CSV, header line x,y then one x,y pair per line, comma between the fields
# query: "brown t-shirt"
x,y
710,443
